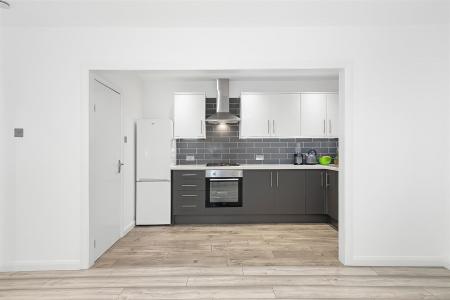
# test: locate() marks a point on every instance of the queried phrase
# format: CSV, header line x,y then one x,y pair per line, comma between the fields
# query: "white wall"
x,y
159,92
448,174
132,92
399,89
2,162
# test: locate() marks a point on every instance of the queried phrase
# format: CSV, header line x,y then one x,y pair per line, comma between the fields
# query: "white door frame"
x,y
346,148
116,89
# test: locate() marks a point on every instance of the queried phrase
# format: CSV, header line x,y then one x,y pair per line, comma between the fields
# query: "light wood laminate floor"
x,y
228,262
225,245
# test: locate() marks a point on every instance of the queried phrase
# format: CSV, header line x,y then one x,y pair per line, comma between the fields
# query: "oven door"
x,y
223,192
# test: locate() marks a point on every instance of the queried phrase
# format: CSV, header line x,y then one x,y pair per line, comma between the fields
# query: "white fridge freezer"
x,y
155,154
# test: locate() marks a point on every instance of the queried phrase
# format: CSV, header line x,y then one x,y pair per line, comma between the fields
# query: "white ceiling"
x,y
223,13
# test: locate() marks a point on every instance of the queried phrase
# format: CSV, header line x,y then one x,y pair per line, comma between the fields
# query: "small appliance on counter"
x,y
298,158
311,157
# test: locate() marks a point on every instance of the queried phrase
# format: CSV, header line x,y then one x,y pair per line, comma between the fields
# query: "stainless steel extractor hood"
x,y
223,116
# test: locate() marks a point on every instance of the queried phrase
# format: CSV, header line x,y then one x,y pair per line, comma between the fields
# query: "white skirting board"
x,y
399,261
127,229
42,265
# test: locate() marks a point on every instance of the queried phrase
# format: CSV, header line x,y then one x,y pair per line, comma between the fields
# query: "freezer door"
x,y
153,203
154,149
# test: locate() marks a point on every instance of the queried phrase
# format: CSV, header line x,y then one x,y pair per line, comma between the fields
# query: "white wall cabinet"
x,y
270,115
332,115
319,114
189,115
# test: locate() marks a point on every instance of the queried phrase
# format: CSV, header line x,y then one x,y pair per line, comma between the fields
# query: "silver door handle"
x,y
201,126
271,179
321,179
277,178
189,195
224,179
327,184
329,126
119,166
188,206
324,125
188,185
188,174
273,126
268,126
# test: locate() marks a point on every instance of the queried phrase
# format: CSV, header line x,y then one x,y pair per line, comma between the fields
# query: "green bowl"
x,y
325,160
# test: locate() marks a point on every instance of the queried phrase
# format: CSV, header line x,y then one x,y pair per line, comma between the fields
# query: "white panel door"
x,y
256,115
333,115
153,203
105,156
189,115
313,115
285,114
154,144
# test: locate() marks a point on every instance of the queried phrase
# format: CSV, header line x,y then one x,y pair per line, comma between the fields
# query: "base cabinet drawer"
x,y
191,185
189,208
188,175
189,202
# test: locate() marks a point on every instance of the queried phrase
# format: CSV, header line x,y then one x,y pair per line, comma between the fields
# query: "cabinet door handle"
x,y
189,195
268,126
201,126
271,179
188,206
329,126
324,125
277,178
273,126
321,179
188,185
189,174
327,183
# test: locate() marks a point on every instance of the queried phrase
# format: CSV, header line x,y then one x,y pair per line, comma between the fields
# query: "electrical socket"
x,y
190,157
259,157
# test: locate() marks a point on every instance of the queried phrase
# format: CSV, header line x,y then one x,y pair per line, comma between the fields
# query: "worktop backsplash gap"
x,y
222,144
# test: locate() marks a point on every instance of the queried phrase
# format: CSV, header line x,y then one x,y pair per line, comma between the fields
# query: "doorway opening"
x,y
288,214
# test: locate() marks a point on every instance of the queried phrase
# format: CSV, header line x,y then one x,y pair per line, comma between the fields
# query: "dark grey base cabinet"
x,y
333,195
268,195
274,192
257,192
315,192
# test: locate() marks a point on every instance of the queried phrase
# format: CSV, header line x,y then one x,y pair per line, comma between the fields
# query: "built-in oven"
x,y
223,188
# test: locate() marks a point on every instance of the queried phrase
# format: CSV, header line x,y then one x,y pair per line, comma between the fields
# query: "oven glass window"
x,y
224,191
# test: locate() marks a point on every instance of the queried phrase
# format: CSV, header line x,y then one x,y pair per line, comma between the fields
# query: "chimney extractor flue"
x,y
222,115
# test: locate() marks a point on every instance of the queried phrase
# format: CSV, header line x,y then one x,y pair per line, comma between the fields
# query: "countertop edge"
x,y
257,167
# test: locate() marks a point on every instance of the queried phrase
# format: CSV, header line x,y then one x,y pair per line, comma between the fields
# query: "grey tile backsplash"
x,y
222,144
